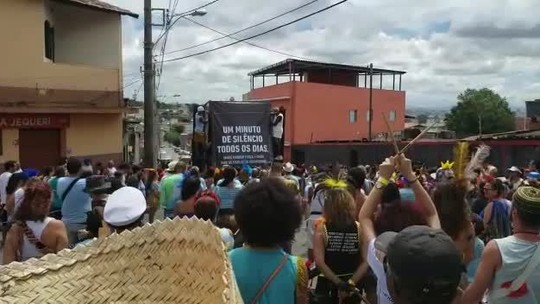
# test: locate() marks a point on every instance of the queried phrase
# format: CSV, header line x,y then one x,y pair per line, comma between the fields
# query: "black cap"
x,y
423,260
97,184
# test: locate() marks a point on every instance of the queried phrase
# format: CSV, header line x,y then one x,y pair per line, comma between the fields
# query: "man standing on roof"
x,y
277,132
200,121
199,135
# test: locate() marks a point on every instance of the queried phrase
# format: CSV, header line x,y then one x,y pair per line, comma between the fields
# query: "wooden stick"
x,y
417,138
396,148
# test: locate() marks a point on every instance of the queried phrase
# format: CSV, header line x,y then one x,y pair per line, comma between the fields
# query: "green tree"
x,y
172,137
178,128
480,112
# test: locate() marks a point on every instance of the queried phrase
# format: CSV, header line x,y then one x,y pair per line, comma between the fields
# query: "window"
x,y
367,116
392,116
353,116
49,40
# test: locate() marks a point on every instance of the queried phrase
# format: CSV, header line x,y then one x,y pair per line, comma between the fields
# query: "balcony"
x,y
65,55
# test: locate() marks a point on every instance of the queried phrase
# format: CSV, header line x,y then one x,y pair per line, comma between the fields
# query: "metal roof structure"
x,y
100,5
520,134
289,66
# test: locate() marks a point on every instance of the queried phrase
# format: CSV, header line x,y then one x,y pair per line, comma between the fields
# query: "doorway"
x,y
39,148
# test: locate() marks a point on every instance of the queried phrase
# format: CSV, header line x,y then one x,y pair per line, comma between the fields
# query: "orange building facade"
x,y
331,103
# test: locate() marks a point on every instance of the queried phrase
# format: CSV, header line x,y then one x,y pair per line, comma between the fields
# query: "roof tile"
x,y
101,5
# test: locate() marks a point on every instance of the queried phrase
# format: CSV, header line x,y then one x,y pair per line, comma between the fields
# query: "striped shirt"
x,y
228,193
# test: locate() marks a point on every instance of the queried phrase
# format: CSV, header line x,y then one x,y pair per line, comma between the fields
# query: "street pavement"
x,y
299,247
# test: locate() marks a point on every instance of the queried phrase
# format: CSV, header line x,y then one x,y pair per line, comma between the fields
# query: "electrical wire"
x,y
137,91
105,94
172,9
166,30
257,35
170,25
246,42
166,17
245,29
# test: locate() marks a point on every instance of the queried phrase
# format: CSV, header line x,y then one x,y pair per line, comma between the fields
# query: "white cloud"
x,y
445,46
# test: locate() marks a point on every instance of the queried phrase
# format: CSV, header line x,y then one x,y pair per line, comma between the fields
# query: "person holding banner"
x,y
277,132
199,135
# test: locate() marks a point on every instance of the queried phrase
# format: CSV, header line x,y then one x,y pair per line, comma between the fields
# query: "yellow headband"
x,y
335,183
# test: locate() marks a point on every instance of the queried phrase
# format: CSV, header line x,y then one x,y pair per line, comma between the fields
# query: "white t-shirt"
x,y
112,171
199,123
277,130
383,296
19,196
4,179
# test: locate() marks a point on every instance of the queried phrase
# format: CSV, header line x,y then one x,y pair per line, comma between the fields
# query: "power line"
x,y
137,91
170,25
168,9
165,31
245,29
246,42
257,35
105,94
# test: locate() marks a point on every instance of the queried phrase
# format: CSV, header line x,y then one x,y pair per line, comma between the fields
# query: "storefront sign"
x,y
33,121
241,133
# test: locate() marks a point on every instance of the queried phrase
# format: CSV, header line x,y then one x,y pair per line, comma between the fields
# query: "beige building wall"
x,y
91,134
10,147
23,60
85,36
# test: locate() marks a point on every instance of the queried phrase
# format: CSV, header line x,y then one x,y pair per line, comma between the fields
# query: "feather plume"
x,y
461,154
478,158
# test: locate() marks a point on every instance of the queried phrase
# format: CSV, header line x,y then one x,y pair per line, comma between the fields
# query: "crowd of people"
x,y
393,233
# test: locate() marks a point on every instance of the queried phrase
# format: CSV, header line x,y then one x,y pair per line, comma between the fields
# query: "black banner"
x,y
241,133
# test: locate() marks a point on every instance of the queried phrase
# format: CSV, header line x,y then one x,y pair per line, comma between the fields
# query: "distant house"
x,y
438,130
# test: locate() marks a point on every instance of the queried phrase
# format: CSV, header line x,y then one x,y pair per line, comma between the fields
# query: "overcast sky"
x,y
445,46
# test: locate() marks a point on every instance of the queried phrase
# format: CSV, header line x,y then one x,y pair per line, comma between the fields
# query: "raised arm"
x,y
365,217
422,197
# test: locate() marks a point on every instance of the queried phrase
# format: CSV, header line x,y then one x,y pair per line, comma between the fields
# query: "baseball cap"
x,y
533,175
407,195
514,169
422,260
125,206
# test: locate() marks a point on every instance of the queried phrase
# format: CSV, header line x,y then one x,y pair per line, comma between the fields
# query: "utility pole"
x,y
150,158
370,100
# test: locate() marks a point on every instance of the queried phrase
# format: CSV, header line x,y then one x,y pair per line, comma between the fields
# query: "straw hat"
x,y
138,266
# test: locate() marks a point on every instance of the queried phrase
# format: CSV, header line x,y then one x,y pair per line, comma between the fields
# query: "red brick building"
x,y
330,102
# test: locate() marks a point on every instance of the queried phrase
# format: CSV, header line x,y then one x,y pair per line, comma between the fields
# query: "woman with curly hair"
x,y
336,246
268,215
34,234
